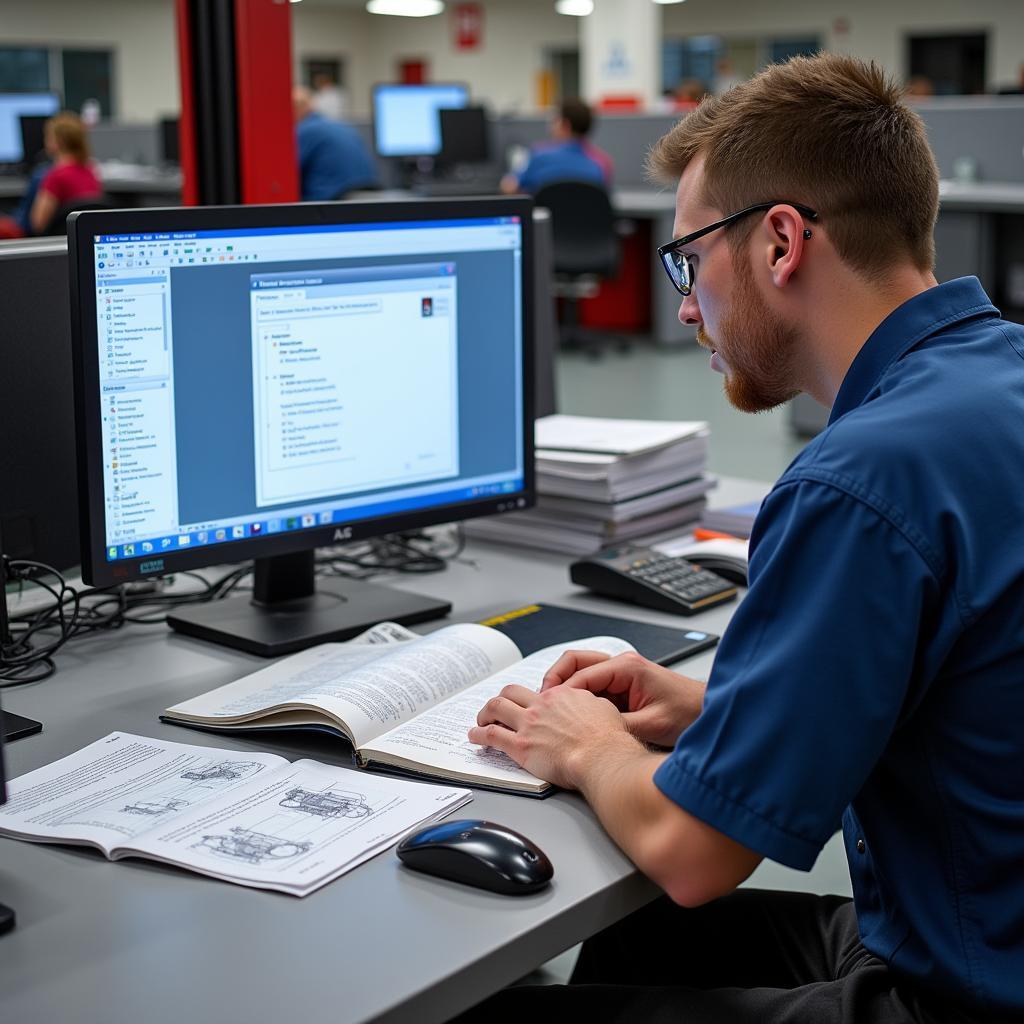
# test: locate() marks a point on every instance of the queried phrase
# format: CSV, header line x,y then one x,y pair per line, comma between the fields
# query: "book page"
x,y
300,828
611,436
437,738
369,689
117,788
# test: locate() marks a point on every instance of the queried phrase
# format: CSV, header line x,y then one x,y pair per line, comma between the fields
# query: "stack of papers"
x,y
606,481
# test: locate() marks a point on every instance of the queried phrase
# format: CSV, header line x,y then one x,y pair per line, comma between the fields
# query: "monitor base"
x,y
339,609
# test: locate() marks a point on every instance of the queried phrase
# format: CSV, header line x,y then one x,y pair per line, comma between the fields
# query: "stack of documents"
x,y
606,481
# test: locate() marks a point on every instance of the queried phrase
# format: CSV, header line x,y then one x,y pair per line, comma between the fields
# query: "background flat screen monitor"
x,y
406,122
32,140
12,106
252,382
169,149
464,135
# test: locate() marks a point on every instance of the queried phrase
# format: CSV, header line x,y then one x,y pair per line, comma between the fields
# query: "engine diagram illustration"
x,y
223,770
154,808
253,847
331,803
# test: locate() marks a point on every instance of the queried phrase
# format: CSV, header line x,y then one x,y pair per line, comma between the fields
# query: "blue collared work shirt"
x,y
560,161
875,670
333,159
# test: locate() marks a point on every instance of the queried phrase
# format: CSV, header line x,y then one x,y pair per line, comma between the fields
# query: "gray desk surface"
x,y
118,179
134,940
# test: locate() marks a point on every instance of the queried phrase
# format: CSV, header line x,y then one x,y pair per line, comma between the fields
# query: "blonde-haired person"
x,y
874,673
72,175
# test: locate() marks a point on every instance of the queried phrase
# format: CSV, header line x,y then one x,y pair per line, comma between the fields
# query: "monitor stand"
x,y
291,609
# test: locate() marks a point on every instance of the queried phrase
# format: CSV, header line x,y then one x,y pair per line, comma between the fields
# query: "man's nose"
x,y
689,311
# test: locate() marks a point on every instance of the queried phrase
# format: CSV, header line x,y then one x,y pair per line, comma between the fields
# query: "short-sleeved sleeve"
x,y
810,676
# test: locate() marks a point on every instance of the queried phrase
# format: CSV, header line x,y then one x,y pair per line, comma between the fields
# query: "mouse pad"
x,y
540,625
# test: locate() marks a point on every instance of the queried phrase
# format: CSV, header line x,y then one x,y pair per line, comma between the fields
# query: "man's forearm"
x,y
690,860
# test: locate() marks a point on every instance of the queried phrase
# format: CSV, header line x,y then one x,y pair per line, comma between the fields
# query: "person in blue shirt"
x,y
874,673
333,159
568,157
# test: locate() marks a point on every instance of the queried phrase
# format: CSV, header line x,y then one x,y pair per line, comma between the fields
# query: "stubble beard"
x,y
760,348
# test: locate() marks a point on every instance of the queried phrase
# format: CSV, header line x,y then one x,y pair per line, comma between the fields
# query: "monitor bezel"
x,y
409,85
85,226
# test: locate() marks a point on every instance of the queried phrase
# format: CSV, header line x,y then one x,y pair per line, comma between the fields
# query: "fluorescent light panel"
x,y
577,8
405,8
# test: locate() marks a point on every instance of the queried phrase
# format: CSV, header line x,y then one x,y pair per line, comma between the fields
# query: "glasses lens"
x,y
678,267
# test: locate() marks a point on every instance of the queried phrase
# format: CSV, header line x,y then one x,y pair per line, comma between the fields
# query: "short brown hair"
x,y
70,136
829,131
578,116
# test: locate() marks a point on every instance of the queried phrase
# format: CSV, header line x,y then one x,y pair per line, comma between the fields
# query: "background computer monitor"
x,y
464,135
254,382
12,106
406,122
169,151
32,137
39,491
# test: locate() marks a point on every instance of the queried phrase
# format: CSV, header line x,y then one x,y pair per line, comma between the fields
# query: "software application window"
x,y
354,379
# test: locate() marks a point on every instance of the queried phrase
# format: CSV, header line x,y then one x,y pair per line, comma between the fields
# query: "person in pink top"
x,y
71,177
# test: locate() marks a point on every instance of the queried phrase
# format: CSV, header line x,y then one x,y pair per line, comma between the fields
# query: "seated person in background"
x,y
17,224
569,157
72,175
332,157
874,672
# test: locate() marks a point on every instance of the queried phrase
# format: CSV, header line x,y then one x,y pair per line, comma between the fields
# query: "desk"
x,y
129,184
964,240
101,942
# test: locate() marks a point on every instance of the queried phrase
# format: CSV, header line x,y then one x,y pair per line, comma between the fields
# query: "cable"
x,y
35,637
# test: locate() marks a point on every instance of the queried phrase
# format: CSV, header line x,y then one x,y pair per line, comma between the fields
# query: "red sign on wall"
x,y
469,26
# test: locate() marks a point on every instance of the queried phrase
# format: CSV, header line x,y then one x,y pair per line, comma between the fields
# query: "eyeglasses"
x,y
678,265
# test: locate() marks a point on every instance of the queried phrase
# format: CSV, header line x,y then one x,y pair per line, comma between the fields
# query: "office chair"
x,y
586,249
59,223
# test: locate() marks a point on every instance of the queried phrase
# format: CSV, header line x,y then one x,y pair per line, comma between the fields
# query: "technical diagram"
x,y
332,803
253,847
222,770
155,807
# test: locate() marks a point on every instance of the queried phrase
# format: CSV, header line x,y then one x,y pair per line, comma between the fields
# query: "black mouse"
x,y
478,853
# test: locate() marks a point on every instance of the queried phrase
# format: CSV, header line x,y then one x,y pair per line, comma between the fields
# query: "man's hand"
x,y
555,735
657,704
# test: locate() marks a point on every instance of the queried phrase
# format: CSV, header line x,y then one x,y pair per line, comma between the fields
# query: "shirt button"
x,y
861,846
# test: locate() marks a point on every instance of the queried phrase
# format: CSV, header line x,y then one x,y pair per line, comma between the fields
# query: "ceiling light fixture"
x,y
577,8
669,1
405,8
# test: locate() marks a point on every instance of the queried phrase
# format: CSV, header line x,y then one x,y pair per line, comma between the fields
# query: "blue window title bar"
x,y
306,229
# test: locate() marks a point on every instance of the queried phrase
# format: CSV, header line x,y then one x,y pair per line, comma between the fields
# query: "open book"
x,y
404,704
240,816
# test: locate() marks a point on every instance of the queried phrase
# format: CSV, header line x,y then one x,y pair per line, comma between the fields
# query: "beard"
x,y
759,347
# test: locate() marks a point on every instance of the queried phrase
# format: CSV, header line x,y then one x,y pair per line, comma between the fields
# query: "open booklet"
x,y
240,816
404,704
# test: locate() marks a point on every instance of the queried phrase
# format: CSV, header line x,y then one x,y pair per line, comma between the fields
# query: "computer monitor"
x,y
464,136
39,493
12,106
32,137
254,382
406,122
169,149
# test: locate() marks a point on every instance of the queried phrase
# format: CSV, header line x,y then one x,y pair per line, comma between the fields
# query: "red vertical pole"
x,y
268,159
186,122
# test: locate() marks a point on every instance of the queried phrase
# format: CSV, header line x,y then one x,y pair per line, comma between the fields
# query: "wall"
x,y
874,29
140,32
502,72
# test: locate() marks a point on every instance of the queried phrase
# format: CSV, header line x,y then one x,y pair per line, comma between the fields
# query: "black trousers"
x,y
753,957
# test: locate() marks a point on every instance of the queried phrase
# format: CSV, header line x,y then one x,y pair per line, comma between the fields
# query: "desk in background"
x,y
125,184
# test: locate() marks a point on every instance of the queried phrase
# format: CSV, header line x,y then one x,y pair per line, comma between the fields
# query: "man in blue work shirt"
x,y
568,157
874,673
332,157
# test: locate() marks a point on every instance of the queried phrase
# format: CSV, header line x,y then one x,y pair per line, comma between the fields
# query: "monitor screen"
x,y
406,122
464,135
12,106
261,380
32,137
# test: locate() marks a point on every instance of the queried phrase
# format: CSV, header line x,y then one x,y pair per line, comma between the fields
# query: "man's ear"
x,y
784,239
